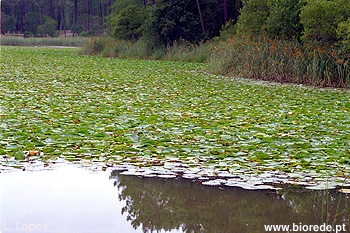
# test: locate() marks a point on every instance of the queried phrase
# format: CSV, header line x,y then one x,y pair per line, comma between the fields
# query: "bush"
x,y
89,33
164,26
77,29
228,29
343,33
48,28
31,23
115,10
27,34
128,23
7,23
283,20
253,16
320,19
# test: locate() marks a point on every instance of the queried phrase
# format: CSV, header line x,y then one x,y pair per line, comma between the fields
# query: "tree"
x,y
225,12
31,23
343,33
253,16
48,27
39,3
115,10
227,30
128,23
7,23
320,19
284,20
200,16
63,25
77,29
171,21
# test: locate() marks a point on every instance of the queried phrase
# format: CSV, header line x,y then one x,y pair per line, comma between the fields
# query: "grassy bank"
x,y
245,56
180,51
47,41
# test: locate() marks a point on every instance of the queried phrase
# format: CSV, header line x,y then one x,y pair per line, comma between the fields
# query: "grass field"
x,y
169,118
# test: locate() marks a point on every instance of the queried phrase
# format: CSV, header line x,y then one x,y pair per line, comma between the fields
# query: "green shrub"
x,y
128,23
283,20
7,23
77,29
320,19
48,28
343,33
116,8
31,23
253,16
228,29
171,21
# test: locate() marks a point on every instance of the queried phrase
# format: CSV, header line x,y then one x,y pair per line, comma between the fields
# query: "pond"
x,y
67,198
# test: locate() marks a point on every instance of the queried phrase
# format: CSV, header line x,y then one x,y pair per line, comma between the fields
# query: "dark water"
x,y
70,199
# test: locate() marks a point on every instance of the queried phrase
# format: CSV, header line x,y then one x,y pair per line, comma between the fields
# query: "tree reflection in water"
x,y
157,204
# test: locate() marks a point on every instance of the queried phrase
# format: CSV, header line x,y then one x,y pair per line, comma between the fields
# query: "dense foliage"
x,y
161,22
312,21
127,25
172,19
25,16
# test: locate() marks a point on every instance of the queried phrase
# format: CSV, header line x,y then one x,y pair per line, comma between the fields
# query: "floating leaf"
x,y
19,155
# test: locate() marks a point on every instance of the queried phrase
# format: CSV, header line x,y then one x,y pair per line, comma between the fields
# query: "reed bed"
x,y
179,51
281,61
45,41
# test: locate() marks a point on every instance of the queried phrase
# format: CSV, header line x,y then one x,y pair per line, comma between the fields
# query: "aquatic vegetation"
x,y
45,41
170,119
286,61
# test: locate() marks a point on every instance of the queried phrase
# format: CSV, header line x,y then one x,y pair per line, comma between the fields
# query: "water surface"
x,y
72,199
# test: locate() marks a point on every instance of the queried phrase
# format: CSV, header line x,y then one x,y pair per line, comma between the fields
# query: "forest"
x,y
170,20
95,17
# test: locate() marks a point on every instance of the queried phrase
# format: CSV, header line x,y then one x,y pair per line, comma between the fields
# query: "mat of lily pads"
x,y
169,120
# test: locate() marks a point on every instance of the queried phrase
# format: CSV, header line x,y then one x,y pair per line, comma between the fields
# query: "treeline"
x,y
125,19
309,21
38,17
166,21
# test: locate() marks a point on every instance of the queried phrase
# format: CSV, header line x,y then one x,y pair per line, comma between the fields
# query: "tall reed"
x,y
46,41
179,51
280,60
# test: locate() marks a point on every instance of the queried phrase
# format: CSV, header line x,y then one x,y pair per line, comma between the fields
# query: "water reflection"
x,y
158,204
70,199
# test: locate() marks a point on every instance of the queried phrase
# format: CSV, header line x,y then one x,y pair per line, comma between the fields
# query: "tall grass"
x,y
281,61
47,41
180,51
